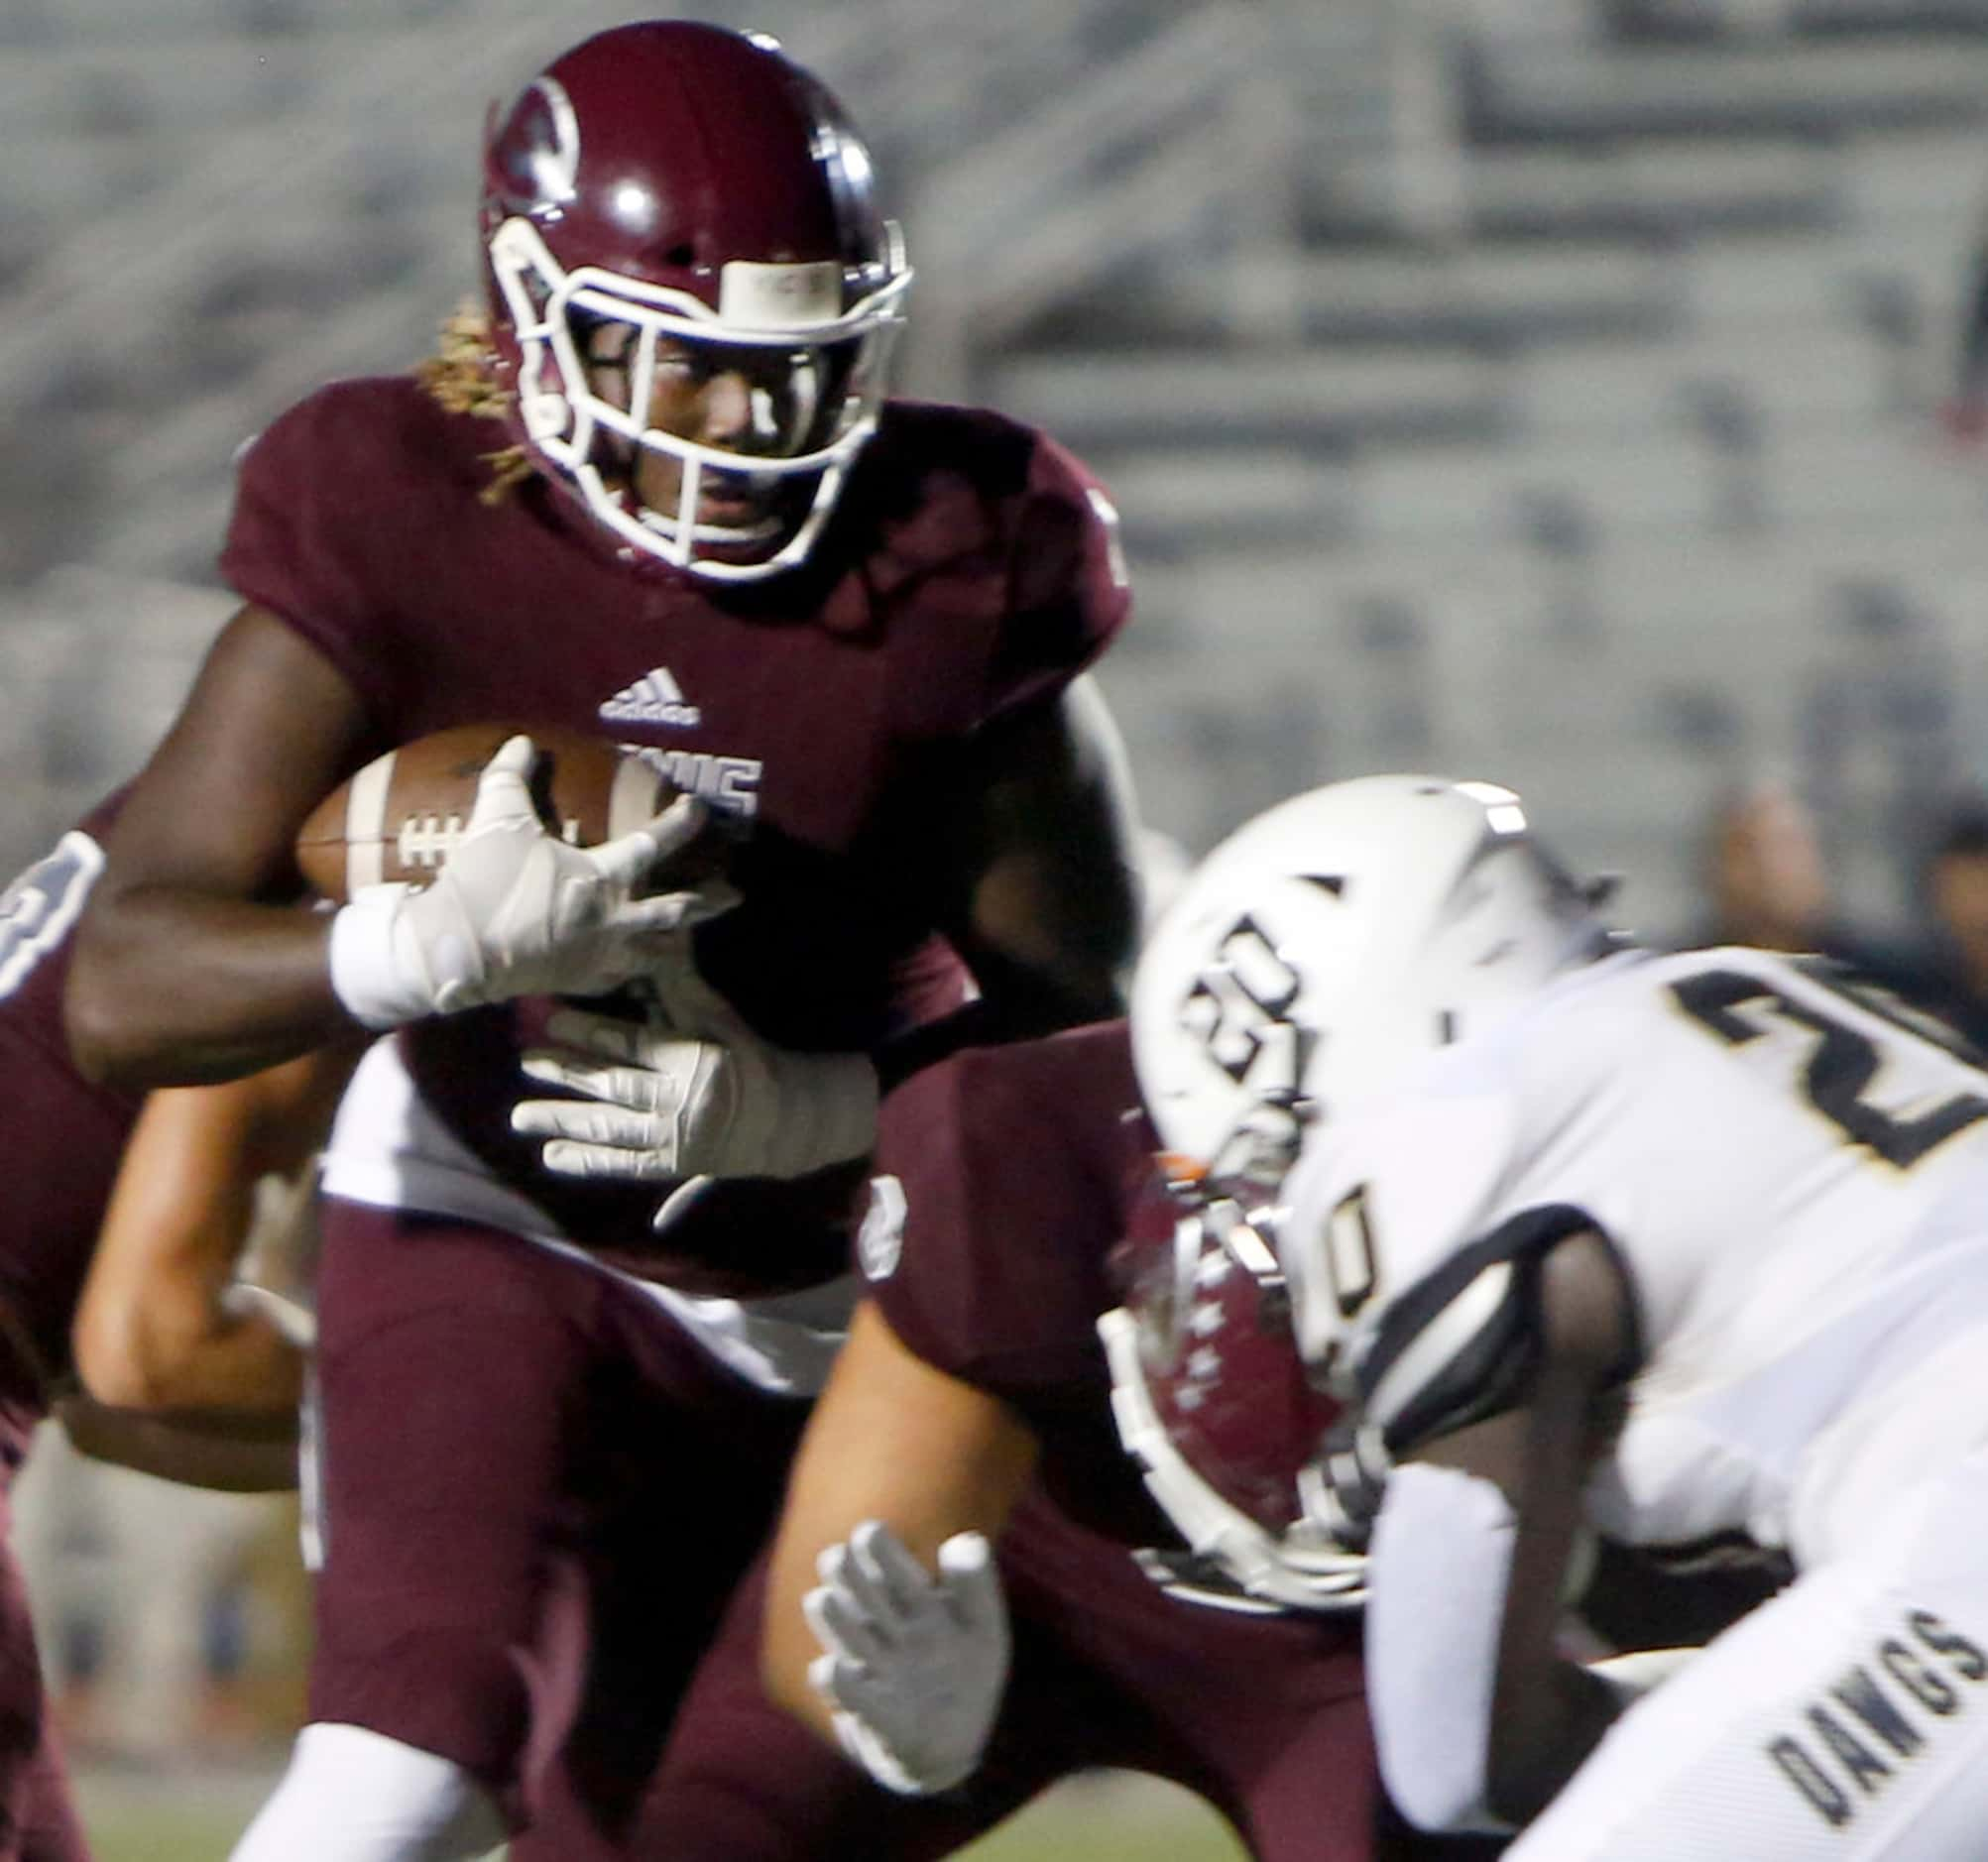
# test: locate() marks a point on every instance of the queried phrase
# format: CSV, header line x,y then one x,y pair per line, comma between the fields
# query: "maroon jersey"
x,y
970,569
62,1138
1020,1169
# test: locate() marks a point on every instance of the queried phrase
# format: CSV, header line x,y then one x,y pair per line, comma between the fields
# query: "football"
x,y
398,816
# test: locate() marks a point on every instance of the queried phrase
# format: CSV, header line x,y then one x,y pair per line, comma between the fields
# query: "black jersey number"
x,y
39,907
1841,1066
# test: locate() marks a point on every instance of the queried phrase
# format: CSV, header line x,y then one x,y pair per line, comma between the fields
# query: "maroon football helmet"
x,y
1211,1399
692,291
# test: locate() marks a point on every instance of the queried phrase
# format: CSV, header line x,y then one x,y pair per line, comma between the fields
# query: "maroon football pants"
x,y
535,1494
538,1497
38,1819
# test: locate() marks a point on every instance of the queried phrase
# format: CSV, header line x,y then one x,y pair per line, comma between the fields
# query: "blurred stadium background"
x,y
1568,392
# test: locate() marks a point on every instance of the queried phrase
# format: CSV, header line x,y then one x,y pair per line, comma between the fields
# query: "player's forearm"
x,y
1047,909
1051,943
179,1350
787,1647
893,1440
237,1365
1547,1713
171,987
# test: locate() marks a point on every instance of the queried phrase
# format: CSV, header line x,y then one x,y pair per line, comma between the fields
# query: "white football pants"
x,y
1844,1721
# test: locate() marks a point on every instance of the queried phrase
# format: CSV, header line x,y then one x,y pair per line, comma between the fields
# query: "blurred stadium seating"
x,y
1593,342
1596,346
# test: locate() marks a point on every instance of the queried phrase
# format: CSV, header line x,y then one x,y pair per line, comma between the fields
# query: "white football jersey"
x,y
1793,1170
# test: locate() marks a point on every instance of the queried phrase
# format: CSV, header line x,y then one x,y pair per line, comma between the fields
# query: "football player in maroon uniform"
x,y
659,494
61,1143
1036,1300
1018,1188
52,1216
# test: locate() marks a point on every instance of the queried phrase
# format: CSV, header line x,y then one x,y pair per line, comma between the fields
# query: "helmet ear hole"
x,y
683,257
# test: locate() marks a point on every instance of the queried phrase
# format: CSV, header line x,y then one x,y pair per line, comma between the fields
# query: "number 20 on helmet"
x,y
1327,944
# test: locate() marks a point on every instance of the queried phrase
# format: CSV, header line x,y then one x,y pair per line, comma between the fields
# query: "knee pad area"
x,y
453,1691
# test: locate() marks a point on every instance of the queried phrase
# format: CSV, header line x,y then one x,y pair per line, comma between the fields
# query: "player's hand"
x,y
515,911
691,1092
914,1665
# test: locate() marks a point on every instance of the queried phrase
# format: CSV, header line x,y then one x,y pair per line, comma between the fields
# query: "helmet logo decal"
x,y
1107,514
552,165
1236,1003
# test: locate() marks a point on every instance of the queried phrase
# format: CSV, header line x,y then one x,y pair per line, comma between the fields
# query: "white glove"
x,y
692,1091
513,911
915,1664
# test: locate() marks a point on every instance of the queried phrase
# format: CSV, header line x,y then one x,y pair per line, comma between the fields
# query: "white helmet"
x,y
1328,943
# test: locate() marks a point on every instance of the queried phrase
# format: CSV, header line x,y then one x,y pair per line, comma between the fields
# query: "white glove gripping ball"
x,y
515,911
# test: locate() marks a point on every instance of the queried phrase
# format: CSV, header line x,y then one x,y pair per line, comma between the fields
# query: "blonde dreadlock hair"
x,y
461,378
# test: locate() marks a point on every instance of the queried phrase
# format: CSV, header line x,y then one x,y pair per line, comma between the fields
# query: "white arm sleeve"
x,y
1436,1573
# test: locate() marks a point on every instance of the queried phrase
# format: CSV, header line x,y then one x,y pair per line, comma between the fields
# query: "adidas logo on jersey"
x,y
655,698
